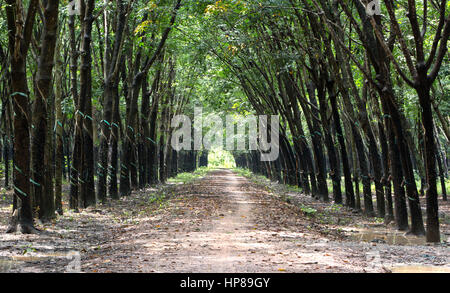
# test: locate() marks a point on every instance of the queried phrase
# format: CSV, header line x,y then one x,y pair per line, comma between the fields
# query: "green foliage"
x,y
308,211
188,177
220,158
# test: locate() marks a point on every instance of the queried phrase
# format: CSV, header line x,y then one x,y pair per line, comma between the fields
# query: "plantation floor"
x,y
220,223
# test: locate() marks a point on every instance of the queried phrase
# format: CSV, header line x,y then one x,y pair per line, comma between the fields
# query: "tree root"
x,y
13,222
29,229
25,227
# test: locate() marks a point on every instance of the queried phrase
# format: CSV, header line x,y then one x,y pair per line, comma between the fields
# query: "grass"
x,y
447,186
261,179
308,211
244,172
248,174
188,177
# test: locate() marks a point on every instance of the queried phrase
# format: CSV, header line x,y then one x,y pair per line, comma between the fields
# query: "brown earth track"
x,y
225,223
220,223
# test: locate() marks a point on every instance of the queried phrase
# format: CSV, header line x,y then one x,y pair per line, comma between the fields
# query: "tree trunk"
x,y
386,174
87,193
19,39
432,233
317,147
42,169
349,193
114,145
364,169
59,153
75,165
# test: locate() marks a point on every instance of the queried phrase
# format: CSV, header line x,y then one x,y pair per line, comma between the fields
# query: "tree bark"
x,y
87,190
42,169
19,39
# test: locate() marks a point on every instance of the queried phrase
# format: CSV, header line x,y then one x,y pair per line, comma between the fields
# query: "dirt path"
x,y
221,223
224,223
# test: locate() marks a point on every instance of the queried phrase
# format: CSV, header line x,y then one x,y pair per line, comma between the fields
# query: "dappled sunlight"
x,y
217,221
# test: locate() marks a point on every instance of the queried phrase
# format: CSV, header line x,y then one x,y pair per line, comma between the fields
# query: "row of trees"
x,y
103,91
349,78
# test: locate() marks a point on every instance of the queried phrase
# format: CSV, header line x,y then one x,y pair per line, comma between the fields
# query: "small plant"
x,y
294,188
379,220
334,208
243,172
308,211
28,248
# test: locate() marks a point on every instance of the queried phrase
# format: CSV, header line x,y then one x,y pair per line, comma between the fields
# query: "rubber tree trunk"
x,y
364,169
42,169
75,165
386,174
87,184
335,173
153,148
396,174
59,146
417,227
349,193
441,168
316,135
432,233
144,143
114,145
18,47
129,178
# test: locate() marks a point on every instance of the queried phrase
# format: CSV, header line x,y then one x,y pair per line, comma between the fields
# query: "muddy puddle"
x,y
385,236
420,269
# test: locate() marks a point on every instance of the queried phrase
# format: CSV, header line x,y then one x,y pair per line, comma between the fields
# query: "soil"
x,y
220,223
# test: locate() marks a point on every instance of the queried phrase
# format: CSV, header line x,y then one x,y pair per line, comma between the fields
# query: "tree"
x,y
19,38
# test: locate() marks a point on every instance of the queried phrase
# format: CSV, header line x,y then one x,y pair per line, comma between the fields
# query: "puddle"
x,y
386,237
420,269
6,265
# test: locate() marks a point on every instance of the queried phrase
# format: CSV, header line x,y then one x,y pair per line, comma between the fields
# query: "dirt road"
x,y
224,223
221,223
